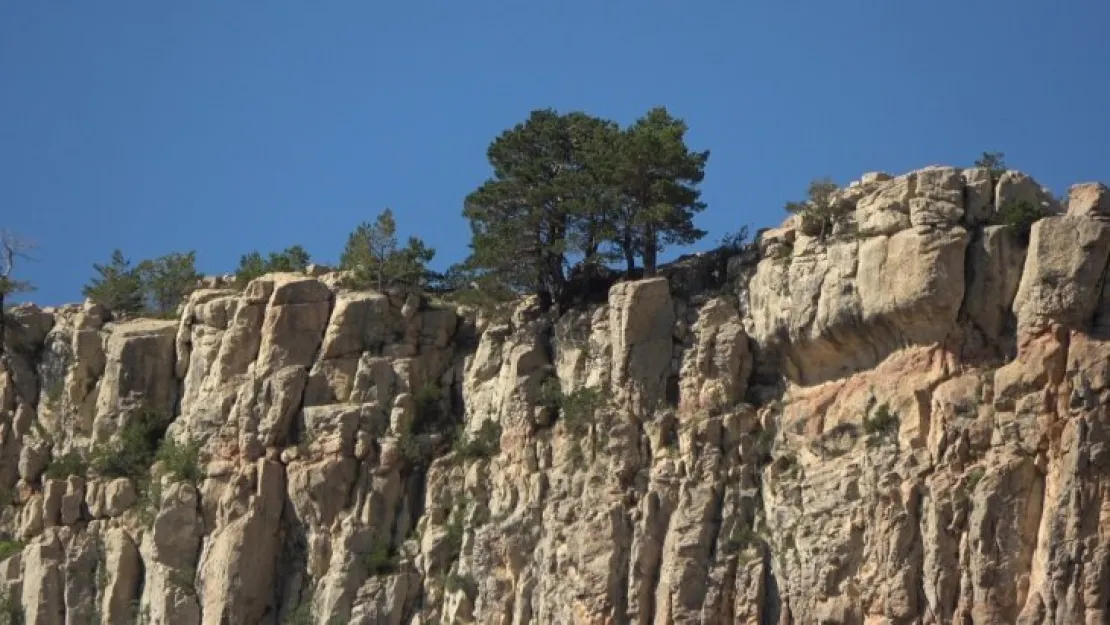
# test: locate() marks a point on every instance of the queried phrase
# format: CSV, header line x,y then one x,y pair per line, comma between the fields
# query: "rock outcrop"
x,y
904,422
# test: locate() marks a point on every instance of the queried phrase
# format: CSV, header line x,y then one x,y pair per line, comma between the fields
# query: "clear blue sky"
x,y
230,126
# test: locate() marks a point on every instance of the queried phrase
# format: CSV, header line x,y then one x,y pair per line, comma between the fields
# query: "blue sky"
x,y
230,126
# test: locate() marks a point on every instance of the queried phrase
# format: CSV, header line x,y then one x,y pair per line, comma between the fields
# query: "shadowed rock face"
x,y
904,423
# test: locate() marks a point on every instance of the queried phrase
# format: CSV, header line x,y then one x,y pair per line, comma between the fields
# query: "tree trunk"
x,y
629,253
650,252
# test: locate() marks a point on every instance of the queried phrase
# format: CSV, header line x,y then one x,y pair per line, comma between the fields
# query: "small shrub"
x,y
968,487
454,582
430,415
381,559
9,547
994,161
454,538
551,394
1020,216
10,612
133,451
180,461
484,444
579,408
881,421
821,211
53,391
301,615
65,465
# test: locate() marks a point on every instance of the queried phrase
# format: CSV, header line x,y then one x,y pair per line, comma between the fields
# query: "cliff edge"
x,y
905,421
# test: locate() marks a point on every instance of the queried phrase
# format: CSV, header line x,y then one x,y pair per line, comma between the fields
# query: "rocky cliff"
x,y
905,422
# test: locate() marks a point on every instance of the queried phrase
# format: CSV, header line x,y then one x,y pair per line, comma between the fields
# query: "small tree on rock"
x,y
254,265
118,287
12,248
821,211
994,161
169,279
376,259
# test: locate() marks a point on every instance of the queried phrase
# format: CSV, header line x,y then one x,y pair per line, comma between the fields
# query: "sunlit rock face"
x,y
903,421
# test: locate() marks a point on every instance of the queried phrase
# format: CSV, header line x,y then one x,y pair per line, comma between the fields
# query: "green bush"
x,y
65,465
580,407
381,559
430,415
485,443
881,421
9,547
1020,216
133,451
180,461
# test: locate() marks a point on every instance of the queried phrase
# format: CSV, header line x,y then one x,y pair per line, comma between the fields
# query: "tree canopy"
x,y
118,286
573,187
376,260
253,264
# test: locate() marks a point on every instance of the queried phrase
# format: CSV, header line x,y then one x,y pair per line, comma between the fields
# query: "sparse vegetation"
x,y
118,287
382,559
881,421
65,465
580,407
154,287
485,443
430,414
132,452
1019,215
994,161
376,260
821,212
9,547
179,460
254,265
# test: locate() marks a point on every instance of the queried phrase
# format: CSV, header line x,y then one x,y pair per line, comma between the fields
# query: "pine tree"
x,y
119,287
376,260
253,265
658,175
12,248
821,211
168,280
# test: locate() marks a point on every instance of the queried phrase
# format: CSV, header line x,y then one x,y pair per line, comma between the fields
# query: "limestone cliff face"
x,y
903,423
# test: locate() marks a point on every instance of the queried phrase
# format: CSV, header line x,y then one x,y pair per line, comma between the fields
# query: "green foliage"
x,y
65,465
182,461
994,161
455,582
658,177
881,421
573,186
154,287
132,452
972,480
301,615
485,443
168,280
9,547
254,265
1019,215
376,259
580,407
735,242
820,210
382,559
430,415
118,287
10,611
